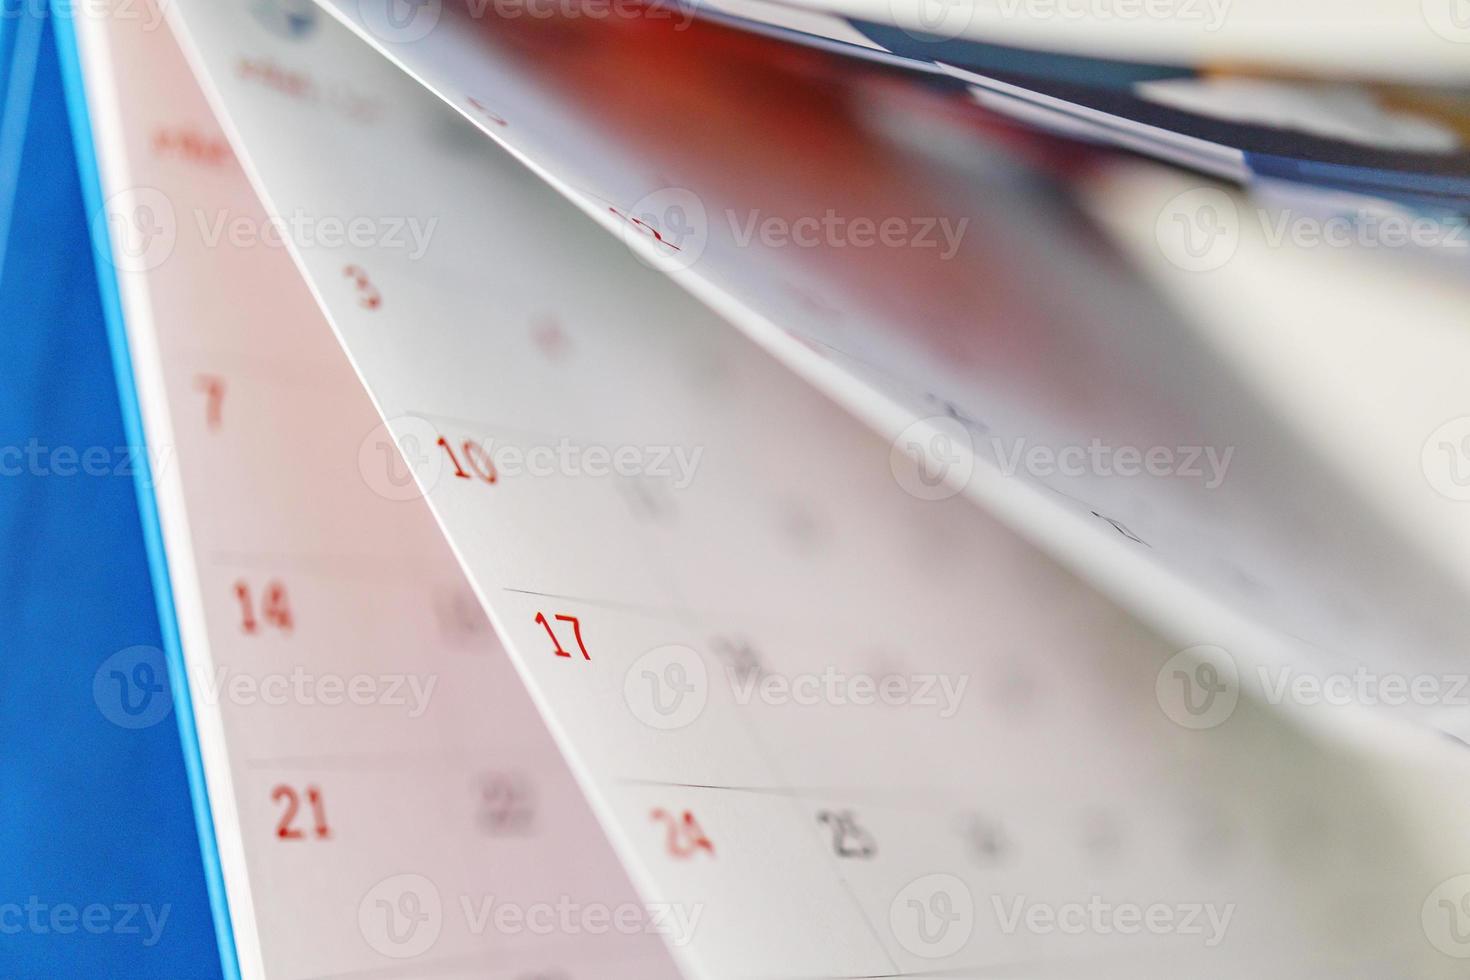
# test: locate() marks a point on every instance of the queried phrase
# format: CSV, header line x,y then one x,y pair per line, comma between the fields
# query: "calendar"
x,y
754,490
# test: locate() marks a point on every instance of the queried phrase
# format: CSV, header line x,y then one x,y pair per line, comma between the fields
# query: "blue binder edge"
x,y
122,363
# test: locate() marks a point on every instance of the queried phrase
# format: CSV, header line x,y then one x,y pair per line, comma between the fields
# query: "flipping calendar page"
x,y
379,783
616,547
954,279
751,663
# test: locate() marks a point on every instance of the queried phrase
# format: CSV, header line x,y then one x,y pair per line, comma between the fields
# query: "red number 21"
x,y
285,829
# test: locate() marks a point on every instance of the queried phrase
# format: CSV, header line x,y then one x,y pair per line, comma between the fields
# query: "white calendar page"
x,y
1326,338
666,616
1385,39
380,783
1023,330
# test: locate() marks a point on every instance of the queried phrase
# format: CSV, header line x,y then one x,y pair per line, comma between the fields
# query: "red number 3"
x,y
368,296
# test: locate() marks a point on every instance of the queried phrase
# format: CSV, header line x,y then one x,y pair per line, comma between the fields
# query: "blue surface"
x,y
96,823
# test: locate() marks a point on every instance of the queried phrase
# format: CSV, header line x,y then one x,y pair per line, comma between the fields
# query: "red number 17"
x,y
576,632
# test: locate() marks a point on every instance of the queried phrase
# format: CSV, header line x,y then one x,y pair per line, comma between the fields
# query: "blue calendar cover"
x,y
102,873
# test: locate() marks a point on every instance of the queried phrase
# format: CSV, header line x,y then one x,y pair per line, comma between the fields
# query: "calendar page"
x,y
832,722
1398,39
939,270
382,790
